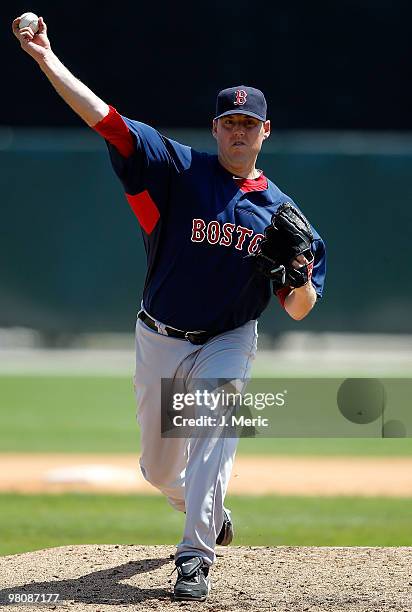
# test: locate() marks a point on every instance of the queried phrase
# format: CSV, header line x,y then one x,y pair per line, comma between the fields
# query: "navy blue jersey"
x,y
199,226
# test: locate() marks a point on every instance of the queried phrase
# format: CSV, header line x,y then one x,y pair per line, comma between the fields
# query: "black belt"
x,y
194,337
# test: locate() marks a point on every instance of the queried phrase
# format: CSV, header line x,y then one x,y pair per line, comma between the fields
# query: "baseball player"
x,y
206,221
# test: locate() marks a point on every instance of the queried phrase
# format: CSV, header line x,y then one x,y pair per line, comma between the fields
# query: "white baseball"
x,y
29,20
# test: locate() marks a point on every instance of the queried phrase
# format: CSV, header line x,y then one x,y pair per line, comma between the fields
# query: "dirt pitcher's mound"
x,y
103,578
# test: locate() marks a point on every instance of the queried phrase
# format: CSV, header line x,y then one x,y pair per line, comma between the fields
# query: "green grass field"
x,y
97,415
31,522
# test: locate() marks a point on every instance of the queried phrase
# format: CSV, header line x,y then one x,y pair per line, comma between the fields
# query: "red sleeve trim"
x,y
282,294
113,128
145,210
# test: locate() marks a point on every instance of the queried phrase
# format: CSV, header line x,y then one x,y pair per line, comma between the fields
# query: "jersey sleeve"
x,y
319,265
145,162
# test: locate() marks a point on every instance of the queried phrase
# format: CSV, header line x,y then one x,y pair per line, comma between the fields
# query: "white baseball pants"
x,y
193,473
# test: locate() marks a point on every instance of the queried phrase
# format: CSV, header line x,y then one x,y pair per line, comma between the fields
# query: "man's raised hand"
x,y
35,44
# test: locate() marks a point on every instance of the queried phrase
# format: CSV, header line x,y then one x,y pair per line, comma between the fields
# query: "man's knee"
x,y
156,475
172,488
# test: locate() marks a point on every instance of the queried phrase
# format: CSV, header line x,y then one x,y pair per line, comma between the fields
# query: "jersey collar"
x,y
258,184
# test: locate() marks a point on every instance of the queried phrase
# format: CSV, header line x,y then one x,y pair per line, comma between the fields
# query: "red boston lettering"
x,y
213,232
254,243
243,232
227,231
198,230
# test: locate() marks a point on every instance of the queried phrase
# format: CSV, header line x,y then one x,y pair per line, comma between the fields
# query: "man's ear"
x,y
266,128
214,128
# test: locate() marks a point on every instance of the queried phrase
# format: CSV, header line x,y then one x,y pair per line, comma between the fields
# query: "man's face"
x,y
239,137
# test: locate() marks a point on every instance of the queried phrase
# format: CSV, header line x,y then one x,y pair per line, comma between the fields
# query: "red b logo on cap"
x,y
241,96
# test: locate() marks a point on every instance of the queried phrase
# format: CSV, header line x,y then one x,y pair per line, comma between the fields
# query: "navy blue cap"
x,y
241,100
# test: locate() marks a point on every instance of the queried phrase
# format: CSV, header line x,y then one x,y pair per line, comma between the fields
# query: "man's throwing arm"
x,y
77,95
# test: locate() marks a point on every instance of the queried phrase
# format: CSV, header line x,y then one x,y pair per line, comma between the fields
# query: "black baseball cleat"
x,y
227,532
193,582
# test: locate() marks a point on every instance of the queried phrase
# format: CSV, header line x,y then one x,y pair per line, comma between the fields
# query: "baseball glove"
x,y
288,236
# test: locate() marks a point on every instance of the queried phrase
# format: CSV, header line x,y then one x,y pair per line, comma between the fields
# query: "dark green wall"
x,y
72,258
